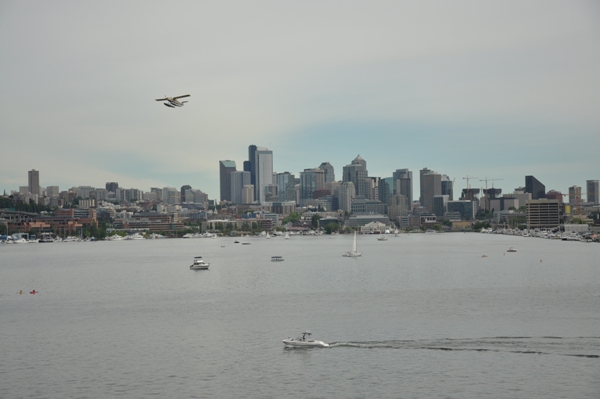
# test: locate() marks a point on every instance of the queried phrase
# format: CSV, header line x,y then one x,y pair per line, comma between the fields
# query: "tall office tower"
x,y
574,195
310,181
248,194
52,191
440,205
447,187
345,193
184,193
225,168
399,207
534,187
329,173
422,173
158,191
112,186
34,181
250,165
263,163
237,182
431,185
403,183
357,173
385,189
592,191
170,195
286,186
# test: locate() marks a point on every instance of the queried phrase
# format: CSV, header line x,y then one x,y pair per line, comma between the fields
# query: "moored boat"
x,y
199,264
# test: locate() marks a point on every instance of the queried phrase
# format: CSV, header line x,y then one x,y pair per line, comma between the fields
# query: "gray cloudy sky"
x,y
487,89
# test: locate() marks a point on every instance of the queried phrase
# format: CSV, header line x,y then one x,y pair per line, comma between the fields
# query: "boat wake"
x,y
586,347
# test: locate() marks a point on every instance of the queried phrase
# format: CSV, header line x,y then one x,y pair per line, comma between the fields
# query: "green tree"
x,y
315,221
331,227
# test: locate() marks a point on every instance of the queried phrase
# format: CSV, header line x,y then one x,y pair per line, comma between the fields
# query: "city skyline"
x,y
496,90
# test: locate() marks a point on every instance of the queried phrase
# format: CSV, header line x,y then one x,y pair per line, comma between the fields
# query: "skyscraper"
x,y
286,186
403,184
238,180
592,191
34,181
328,170
431,186
112,186
263,164
225,168
345,193
183,191
357,173
534,187
310,181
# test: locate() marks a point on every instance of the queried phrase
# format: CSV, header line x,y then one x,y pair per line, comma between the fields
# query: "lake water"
x,y
417,316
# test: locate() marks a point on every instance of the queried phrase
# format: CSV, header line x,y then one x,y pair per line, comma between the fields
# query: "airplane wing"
x,y
185,95
161,99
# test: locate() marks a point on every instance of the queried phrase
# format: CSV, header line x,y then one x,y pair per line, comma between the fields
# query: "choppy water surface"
x,y
420,315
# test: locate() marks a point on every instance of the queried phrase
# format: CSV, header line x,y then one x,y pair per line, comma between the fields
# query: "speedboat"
x,y
199,264
276,258
511,249
304,341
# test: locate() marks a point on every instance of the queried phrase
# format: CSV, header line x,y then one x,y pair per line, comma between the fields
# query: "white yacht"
x,y
354,253
199,264
304,341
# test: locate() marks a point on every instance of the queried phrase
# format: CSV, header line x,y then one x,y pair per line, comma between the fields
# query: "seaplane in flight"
x,y
173,102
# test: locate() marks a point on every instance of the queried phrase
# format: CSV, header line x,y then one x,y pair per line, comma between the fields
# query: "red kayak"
x,y
33,292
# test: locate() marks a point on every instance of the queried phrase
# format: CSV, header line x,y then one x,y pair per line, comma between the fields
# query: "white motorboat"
x,y
354,253
199,264
277,259
304,341
382,238
511,249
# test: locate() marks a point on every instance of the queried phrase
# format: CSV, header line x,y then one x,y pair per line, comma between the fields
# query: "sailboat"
x,y
354,253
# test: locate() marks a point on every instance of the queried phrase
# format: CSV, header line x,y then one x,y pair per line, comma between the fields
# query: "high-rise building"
x,y
170,195
592,192
574,195
440,205
385,189
310,181
34,181
403,184
329,172
447,187
184,192
112,186
250,165
238,180
286,187
357,173
422,173
345,193
248,194
52,191
431,186
535,187
225,168
543,214
263,163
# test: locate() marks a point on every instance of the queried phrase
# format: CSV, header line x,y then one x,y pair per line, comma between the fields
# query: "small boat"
x,y
199,264
287,236
382,238
511,249
245,243
304,341
277,259
354,253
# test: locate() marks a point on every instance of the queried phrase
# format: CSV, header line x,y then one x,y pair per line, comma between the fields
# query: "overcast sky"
x,y
466,88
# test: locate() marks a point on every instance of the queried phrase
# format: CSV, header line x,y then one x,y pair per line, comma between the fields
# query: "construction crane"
x,y
486,181
467,179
